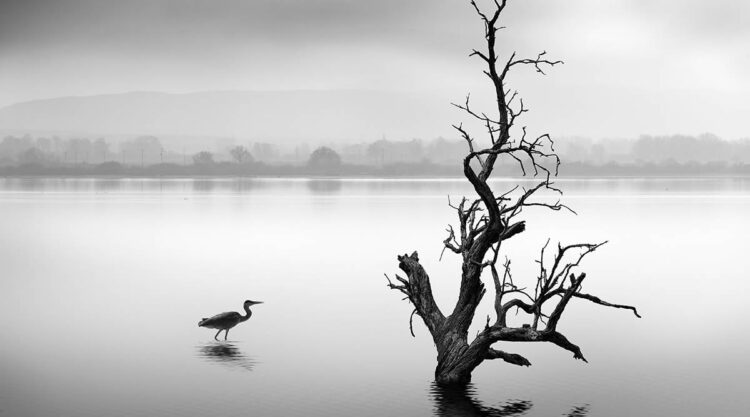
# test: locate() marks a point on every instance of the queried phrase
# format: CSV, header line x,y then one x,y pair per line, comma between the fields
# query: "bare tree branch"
x,y
511,358
599,301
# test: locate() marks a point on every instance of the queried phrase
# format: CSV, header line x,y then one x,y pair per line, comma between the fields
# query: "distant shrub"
x,y
324,159
203,158
109,167
241,155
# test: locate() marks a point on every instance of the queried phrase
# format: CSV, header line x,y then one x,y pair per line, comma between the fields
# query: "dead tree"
x,y
484,223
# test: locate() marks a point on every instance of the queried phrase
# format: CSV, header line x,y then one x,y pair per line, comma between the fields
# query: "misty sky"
x,y
632,66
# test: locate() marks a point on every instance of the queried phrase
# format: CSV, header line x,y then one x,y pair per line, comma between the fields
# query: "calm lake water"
x,y
103,283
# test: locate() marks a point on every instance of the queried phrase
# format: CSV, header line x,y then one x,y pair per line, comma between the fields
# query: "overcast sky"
x,y
631,66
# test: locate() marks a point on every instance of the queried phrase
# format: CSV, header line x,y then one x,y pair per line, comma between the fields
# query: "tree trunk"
x,y
452,367
456,360
450,375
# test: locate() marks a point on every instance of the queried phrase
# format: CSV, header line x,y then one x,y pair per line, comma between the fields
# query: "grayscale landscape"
x,y
341,208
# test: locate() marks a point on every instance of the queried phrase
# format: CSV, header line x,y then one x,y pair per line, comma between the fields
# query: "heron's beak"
x,y
257,302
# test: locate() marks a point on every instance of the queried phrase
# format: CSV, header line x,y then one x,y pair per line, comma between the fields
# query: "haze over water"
x,y
104,281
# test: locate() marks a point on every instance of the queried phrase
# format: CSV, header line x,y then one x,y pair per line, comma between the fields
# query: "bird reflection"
x,y
459,401
226,354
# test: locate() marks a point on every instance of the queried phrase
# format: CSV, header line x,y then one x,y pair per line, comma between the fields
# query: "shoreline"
x,y
367,177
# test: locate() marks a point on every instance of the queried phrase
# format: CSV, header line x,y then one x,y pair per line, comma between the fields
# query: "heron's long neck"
x,y
248,313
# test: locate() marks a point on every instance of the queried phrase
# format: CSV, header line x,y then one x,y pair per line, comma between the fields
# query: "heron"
x,y
225,321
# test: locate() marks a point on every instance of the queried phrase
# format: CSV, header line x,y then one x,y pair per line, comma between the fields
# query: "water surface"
x,y
104,280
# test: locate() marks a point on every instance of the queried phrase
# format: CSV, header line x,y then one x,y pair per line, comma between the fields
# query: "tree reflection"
x,y
324,186
579,411
226,353
460,402
204,185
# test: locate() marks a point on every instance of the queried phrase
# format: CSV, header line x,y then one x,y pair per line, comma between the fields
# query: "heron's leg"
x,y
216,336
226,334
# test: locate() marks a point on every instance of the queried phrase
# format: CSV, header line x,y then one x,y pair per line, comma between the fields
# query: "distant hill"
x,y
276,116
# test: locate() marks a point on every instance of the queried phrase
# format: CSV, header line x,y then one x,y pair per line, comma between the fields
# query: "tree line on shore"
x,y
145,156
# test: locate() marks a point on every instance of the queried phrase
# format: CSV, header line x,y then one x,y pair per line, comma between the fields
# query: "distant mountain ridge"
x,y
276,116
